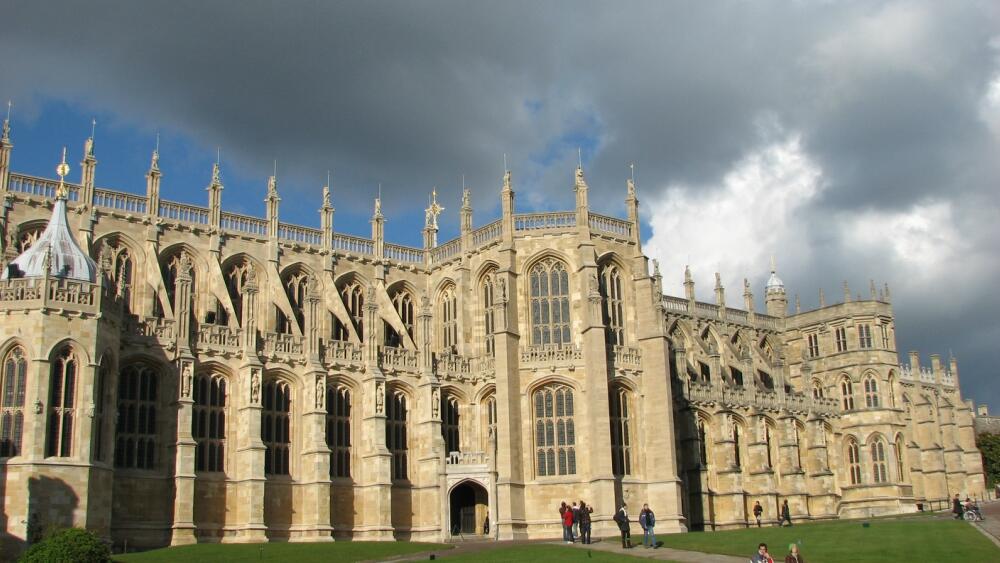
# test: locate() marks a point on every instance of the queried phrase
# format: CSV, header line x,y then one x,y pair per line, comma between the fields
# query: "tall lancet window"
x,y
353,296
854,461
614,304
295,289
276,427
14,381
237,276
555,431
549,287
621,432
448,311
338,430
486,291
121,270
62,405
402,302
450,423
208,423
880,471
396,433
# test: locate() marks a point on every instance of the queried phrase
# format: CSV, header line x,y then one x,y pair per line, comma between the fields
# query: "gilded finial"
x,y
62,170
433,210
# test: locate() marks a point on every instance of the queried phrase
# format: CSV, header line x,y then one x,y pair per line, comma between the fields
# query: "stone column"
x,y
315,469
428,447
374,481
791,475
821,484
183,529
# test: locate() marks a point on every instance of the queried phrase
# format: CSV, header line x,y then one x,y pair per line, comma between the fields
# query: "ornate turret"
x,y
774,294
5,146
214,190
431,221
55,253
582,204
326,215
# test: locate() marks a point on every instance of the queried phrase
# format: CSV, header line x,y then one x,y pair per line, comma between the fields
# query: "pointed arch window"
x,y
555,431
276,427
121,271
14,382
737,459
135,430
208,423
621,432
237,277
871,392
891,387
702,444
490,408
62,405
396,433
448,311
900,473
486,290
402,302
549,290
847,394
817,389
450,423
614,304
854,461
880,472
353,296
338,430
770,446
295,289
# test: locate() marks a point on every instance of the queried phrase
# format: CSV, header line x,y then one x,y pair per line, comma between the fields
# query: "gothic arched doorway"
x,y
469,508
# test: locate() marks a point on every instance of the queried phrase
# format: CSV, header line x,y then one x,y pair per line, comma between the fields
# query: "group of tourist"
x,y
646,521
576,522
786,513
762,556
969,510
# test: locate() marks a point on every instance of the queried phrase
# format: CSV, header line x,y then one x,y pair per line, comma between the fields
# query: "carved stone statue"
x,y
255,387
187,378
435,403
379,398
184,264
320,390
502,288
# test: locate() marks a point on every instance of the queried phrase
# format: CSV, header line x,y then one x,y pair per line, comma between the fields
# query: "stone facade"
x,y
235,379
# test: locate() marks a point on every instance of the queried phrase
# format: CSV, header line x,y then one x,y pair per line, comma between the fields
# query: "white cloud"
x,y
751,215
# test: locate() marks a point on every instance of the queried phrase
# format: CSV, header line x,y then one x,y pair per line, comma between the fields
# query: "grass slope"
x,y
887,541
279,552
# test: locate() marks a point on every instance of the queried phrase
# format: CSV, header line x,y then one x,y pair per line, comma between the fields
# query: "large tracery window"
x,y
854,461
488,324
871,392
396,433
621,432
448,311
555,433
549,287
402,302
847,394
121,271
880,471
14,380
135,442
353,296
208,423
295,289
62,400
276,427
614,304
449,423
338,430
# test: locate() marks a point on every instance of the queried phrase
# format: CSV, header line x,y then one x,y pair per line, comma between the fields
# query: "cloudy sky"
x,y
852,140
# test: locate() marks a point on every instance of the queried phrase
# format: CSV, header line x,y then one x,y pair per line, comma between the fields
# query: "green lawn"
x,y
280,552
902,540
540,552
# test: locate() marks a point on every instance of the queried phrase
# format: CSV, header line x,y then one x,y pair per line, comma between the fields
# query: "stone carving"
x,y
187,378
379,397
38,406
435,403
254,386
184,264
320,390
501,289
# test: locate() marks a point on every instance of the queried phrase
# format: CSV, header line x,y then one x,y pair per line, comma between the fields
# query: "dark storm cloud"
x,y
886,98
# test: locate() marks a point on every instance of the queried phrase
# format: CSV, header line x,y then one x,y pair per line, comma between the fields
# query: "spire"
x,y
56,252
720,292
153,182
774,293
798,305
154,163
378,226
847,292
431,221
271,202
88,167
688,284
507,204
822,298
580,188
871,289
465,214
214,190
747,296
774,283
6,124
326,215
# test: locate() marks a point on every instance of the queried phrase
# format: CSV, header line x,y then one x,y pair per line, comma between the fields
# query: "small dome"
x,y
774,283
67,259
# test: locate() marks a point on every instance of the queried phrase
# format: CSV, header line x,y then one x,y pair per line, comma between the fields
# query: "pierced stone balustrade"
x,y
452,365
398,359
336,353
219,338
550,354
467,458
626,358
484,368
283,347
766,400
50,293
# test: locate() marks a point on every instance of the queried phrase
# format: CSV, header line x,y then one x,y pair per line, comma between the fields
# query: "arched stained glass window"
x,y
549,290
13,381
614,304
338,430
208,423
621,432
276,427
555,431
62,405
396,438
135,429
854,461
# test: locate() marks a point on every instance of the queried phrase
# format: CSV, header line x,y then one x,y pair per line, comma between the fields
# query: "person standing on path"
x,y
576,521
585,512
758,510
786,514
647,520
567,520
621,518
956,507
562,521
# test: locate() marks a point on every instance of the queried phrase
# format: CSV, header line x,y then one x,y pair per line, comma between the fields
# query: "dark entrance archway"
x,y
469,508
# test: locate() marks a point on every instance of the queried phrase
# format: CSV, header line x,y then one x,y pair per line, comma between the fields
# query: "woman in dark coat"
x,y
621,517
585,512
